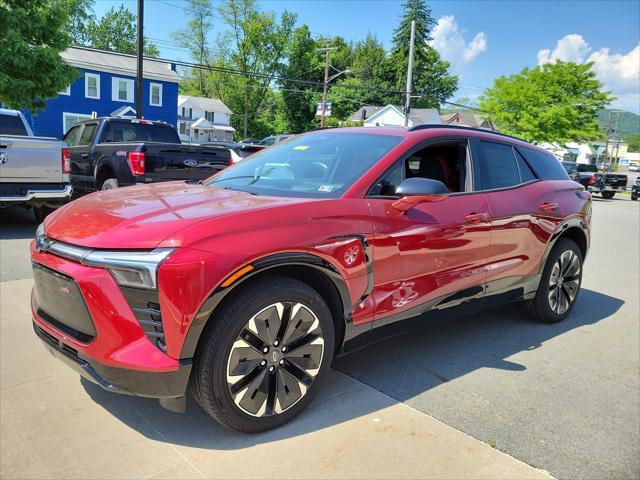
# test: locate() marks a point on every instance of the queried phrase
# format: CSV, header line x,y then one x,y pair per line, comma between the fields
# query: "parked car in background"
x,y
238,151
274,139
634,167
635,189
251,140
113,152
604,183
34,171
242,288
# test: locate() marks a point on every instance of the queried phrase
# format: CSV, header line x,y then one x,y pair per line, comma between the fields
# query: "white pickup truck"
x,y
34,171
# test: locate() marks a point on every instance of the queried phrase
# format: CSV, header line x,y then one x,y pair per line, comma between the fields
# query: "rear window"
x,y
587,168
12,125
544,164
127,132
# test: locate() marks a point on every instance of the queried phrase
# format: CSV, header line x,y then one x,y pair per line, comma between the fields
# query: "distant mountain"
x,y
628,123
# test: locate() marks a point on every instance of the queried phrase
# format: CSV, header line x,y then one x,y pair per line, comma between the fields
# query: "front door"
x,y
434,255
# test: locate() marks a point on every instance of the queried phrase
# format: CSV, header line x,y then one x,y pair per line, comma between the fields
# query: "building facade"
x,y
203,119
106,87
393,115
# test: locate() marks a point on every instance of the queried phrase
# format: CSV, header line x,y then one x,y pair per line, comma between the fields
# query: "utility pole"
x,y
606,145
407,102
139,53
325,89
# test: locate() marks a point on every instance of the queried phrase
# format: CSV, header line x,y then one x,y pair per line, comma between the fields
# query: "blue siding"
x,y
49,122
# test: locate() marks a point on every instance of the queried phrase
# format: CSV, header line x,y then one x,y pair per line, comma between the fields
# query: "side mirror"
x,y
417,190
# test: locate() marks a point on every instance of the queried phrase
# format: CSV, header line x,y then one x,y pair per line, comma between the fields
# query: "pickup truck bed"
x,y
116,152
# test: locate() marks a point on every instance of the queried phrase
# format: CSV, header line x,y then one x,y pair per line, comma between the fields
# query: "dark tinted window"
x,y
123,131
570,167
12,125
526,174
498,168
587,168
87,134
544,164
72,137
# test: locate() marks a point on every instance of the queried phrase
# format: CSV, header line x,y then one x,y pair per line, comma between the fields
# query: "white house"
x,y
203,120
394,116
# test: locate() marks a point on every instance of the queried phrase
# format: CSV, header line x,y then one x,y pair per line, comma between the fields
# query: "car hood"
x,y
143,216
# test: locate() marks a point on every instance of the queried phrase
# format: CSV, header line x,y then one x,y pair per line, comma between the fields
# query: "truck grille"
x,y
146,307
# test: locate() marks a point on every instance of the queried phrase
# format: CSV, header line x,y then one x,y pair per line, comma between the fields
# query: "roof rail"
x,y
460,127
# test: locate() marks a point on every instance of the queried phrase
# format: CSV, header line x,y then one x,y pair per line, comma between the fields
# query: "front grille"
x,y
145,305
57,344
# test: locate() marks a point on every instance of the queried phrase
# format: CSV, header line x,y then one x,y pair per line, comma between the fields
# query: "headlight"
x,y
40,231
130,269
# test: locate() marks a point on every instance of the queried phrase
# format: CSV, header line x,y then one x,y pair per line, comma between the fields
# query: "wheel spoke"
x,y
243,360
302,321
290,390
253,399
267,322
252,339
298,373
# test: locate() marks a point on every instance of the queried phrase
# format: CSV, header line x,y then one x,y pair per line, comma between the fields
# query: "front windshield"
x,y
316,165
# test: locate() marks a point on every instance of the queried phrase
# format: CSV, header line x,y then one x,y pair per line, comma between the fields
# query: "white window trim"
x,y
151,85
86,85
81,116
115,81
66,91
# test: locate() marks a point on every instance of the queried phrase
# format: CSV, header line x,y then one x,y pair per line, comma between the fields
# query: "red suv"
x,y
242,288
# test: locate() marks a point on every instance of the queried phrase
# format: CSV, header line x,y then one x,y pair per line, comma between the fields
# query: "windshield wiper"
x,y
238,177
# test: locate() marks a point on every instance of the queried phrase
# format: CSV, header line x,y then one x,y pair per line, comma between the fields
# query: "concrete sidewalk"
x,y
53,425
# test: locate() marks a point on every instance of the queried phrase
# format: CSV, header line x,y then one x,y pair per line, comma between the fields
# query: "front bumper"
x,y
110,347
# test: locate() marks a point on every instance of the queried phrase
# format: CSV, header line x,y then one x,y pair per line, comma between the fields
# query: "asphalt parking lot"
x,y
563,398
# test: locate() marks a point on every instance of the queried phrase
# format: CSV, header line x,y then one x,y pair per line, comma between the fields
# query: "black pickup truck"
x,y
606,183
111,152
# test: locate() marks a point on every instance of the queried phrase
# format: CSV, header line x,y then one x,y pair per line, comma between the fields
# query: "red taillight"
x,y
592,180
66,160
136,162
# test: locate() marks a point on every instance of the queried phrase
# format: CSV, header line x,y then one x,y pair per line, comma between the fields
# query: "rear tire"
x,y
109,183
608,195
252,375
634,197
560,283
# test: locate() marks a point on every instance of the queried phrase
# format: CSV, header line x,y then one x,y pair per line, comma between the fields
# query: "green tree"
x,y
634,142
32,35
431,77
555,102
79,18
194,36
116,31
254,44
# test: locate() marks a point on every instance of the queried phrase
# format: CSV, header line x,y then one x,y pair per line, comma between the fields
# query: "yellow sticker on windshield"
x,y
301,147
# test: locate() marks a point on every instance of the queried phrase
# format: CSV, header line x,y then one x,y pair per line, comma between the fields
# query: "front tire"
x,y
608,195
559,284
264,355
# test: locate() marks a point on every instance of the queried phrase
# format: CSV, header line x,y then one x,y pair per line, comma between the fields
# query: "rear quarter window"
x,y
12,125
544,164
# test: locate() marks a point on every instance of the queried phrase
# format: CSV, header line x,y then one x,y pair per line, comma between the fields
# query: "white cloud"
x,y
620,72
450,43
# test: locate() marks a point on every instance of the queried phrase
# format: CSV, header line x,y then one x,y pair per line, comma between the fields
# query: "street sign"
x,y
327,110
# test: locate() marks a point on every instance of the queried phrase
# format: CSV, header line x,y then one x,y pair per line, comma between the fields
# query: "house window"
x,y
191,113
92,85
66,91
122,89
183,112
155,94
70,119
208,116
183,128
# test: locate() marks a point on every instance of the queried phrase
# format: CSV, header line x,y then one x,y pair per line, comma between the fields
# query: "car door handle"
x,y
85,155
548,207
477,217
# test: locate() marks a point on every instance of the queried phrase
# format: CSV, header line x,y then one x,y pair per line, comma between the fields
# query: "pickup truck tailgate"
x,y
613,180
183,162
30,160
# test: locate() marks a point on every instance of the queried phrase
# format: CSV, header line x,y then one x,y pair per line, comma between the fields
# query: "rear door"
x,y
79,138
432,256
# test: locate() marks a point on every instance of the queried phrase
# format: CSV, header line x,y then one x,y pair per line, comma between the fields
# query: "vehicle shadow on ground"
x,y
407,365
17,223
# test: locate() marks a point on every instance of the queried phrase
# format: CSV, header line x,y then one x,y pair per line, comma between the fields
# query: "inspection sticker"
x,y
325,188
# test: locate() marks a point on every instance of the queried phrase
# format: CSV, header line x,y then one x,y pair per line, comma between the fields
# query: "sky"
x,y
481,39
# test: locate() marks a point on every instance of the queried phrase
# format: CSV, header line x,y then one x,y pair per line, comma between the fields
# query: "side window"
x,y
498,167
87,134
73,136
544,164
526,174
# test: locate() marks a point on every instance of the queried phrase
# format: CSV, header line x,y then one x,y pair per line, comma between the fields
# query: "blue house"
x,y
106,87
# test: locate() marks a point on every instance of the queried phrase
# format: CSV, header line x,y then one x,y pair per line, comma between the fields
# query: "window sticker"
x,y
325,188
301,147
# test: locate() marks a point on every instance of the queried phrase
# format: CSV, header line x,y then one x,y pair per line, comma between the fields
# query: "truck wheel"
x,y
109,183
608,195
560,283
41,213
634,197
264,354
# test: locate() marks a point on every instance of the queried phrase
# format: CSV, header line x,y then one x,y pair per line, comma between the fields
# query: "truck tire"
x,y
109,183
263,355
41,213
634,196
608,195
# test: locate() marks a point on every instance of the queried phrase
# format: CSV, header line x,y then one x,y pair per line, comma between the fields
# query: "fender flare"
x,y
261,265
575,222
100,164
